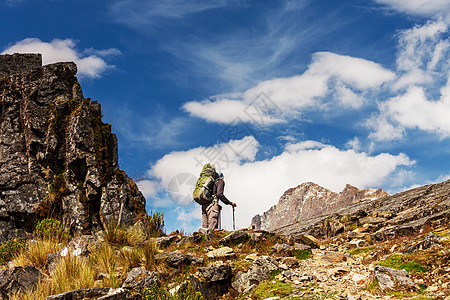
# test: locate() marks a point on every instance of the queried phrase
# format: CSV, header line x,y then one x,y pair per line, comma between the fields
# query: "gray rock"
x,y
428,242
212,282
389,278
235,238
191,239
357,243
258,272
166,241
174,259
139,279
224,252
20,279
372,220
80,294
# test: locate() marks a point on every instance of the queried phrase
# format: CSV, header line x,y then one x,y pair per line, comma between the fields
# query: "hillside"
x,y
397,247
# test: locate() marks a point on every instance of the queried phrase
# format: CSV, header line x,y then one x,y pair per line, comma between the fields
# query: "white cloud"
x,y
354,144
179,170
92,65
421,54
428,8
148,188
413,110
288,97
423,65
257,185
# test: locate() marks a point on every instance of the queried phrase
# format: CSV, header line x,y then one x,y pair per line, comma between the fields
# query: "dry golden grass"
x,y
72,272
107,262
36,253
150,250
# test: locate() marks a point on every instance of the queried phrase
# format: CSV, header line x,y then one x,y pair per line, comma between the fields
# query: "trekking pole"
x,y
234,223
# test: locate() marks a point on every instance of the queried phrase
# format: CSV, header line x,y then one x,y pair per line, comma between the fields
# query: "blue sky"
x,y
275,93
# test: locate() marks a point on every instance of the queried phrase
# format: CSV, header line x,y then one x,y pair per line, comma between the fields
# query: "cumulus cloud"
x,y
347,76
91,63
256,185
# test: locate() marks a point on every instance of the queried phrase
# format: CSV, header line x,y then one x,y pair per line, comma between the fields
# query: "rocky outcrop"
x,y
308,200
57,158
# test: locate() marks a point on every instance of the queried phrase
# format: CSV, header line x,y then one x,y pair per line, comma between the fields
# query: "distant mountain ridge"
x,y
309,200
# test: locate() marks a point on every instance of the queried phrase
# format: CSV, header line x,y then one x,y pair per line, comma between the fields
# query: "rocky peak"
x,y
309,200
57,158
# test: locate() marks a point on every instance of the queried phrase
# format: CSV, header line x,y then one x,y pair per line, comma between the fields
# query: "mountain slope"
x,y
308,200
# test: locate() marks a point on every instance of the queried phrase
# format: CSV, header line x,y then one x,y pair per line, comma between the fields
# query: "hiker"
x,y
210,211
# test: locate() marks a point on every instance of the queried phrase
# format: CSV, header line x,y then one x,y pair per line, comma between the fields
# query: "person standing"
x,y
211,211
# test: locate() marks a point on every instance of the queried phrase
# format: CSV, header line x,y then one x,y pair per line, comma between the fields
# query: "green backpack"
x,y
204,186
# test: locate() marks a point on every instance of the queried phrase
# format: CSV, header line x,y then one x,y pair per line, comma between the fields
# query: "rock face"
x,y
57,158
309,200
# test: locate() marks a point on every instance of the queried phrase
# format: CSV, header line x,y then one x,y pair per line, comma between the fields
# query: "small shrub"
x,y
360,250
51,229
373,286
132,258
154,223
11,248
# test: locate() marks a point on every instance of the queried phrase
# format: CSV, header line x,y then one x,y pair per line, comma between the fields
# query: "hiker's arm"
x,y
219,193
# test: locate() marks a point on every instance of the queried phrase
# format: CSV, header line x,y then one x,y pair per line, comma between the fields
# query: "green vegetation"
x,y
154,223
274,274
373,286
269,289
52,205
10,248
51,229
396,262
303,254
